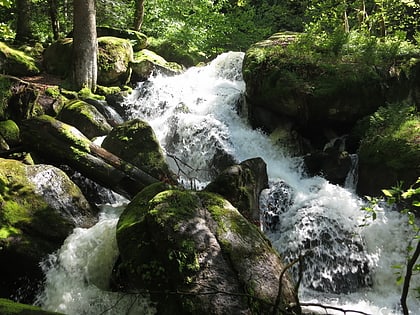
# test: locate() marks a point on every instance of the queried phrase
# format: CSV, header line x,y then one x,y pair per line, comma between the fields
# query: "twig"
x,y
407,278
327,307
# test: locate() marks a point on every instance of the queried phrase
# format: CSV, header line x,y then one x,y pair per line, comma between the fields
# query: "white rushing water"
x,y
196,117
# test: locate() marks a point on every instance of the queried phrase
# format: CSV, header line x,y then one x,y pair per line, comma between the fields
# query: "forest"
x,y
366,48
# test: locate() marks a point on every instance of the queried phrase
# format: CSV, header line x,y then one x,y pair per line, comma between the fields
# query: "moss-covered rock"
x,y
146,62
84,117
8,307
137,39
241,185
16,62
135,142
174,240
10,132
319,88
389,150
114,56
40,206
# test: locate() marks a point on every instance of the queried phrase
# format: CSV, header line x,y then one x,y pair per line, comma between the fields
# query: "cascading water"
x,y
196,117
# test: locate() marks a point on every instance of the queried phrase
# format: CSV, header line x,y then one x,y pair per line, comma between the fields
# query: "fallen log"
x,y
60,143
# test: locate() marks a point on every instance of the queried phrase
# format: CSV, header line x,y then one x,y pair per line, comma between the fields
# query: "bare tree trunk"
x,y
85,44
407,278
23,25
53,10
138,15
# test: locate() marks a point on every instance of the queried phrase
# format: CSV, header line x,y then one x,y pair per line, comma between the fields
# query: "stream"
x,y
199,116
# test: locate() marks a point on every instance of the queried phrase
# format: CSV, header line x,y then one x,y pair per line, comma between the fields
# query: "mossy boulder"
x,y
173,240
10,132
16,62
137,39
114,56
319,88
389,149
84,117
57,57
135,142
242,184
40,206
8,307
147,62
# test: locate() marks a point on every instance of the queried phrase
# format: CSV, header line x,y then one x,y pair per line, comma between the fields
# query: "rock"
x,y
110,114
84,117
389,150
325,91
135,142
147,62
57,57
114,56
40,206
15,62
8,307
332,164
60,143
241,185
138,40
10,132
194,244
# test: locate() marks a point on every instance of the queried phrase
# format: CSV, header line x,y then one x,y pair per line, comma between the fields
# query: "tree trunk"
x,y
60,143
85,45
138,15
53,10
23,25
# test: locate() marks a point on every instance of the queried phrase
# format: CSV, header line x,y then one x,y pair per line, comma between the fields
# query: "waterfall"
x,y
197,119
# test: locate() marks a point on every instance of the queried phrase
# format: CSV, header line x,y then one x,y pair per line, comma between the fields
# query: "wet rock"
x,y
195,242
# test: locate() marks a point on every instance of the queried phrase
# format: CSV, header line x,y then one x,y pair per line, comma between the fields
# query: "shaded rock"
x,y
241,185
84,117
114,56
187,242
16,62
57,57
40,206
135,142
389,150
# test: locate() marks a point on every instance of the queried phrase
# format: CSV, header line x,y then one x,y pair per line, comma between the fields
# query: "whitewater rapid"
x,y
197,115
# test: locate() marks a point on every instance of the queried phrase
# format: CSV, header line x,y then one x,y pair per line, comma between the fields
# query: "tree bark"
x,y
59,143
23,25
138,15
55,25
85,45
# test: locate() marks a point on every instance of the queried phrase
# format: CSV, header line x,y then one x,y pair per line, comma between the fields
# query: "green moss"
x,y
86,93
8,307
5,232
17,62
10,131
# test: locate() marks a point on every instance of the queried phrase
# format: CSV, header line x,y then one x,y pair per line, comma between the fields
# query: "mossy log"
x,y
61,143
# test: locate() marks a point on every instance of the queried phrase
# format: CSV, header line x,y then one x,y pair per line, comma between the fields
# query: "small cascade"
x,y
352,176
77,276
197,119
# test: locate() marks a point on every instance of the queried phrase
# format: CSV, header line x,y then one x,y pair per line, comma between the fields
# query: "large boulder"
x,y
40,206
16,62
198,255
321,92
135,142
84,117
389,150
114,56
242,184
146,63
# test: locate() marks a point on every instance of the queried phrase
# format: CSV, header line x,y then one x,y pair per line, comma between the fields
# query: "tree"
x,y
138,15
53,10
23,25
85,45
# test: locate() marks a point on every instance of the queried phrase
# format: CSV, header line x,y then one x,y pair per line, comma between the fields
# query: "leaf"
x,y
416,203
396,266
400,280
387,192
